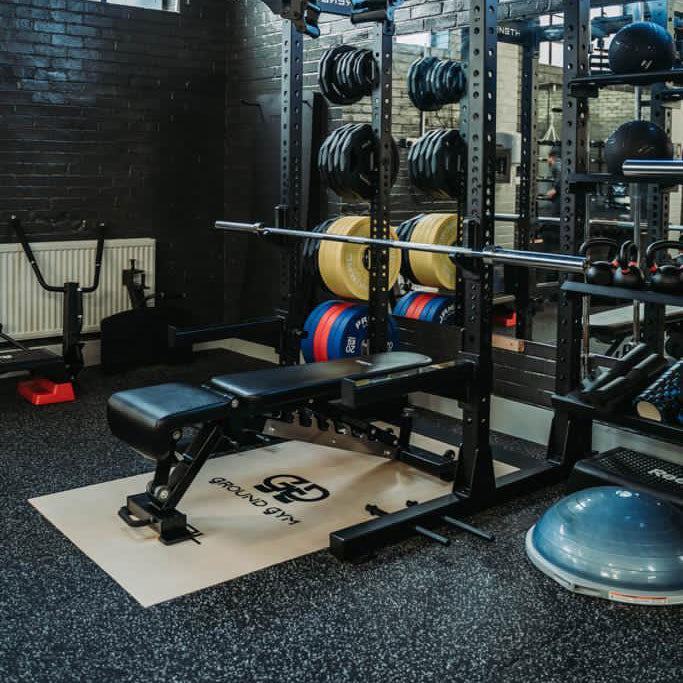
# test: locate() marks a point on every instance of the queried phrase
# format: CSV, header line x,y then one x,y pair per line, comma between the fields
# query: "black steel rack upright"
x,y
289,212
380,207
524,280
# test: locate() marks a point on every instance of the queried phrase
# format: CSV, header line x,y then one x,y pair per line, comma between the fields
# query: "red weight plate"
x,y
418,304
322,332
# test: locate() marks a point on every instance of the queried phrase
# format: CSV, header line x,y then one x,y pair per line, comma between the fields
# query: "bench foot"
x,y
171,525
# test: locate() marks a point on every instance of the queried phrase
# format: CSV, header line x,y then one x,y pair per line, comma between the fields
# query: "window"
x,y
167,5
551,52
421,39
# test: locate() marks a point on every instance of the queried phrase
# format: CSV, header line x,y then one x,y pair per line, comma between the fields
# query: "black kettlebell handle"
x,y
653,248
628,253
599,242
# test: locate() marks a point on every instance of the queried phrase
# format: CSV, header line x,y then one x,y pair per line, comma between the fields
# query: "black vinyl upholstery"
x,y
146,418
315,380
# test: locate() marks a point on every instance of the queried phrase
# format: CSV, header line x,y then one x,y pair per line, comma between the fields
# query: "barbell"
x,y
492,254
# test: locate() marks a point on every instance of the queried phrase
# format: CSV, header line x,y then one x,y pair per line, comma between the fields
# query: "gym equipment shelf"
x,y
658,430
589,179
646,295
589,85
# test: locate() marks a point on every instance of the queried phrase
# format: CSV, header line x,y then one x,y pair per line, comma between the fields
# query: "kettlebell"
x,y
627,273
667,277
600,272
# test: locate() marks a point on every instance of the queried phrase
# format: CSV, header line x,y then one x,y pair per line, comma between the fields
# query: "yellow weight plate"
x,y
419,234
342,265
434,270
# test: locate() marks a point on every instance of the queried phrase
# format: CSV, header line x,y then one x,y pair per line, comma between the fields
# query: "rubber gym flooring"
x,y
416,612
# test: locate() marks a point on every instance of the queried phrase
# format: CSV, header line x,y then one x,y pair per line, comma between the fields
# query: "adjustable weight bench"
x,y
236,407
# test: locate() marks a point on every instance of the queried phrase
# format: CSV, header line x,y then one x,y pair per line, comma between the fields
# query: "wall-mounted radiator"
x,y
29,312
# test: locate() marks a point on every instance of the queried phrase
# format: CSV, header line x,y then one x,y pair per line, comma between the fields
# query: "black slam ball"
x,y
641,46
636,140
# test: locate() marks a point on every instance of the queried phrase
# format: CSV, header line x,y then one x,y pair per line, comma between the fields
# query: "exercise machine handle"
x,y
101,231
15,224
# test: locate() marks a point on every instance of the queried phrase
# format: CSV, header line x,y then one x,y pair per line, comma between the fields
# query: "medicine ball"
x,y
641,46
636,140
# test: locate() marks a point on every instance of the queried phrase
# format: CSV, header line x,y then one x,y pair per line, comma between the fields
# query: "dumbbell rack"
x,y
571,434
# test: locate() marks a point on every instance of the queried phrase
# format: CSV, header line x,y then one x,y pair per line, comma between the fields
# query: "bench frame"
x,y
175,472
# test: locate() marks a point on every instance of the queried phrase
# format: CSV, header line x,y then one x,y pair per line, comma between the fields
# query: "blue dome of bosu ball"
x,y
614,543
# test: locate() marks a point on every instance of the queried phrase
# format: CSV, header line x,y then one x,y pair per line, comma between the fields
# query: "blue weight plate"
x,y
441,310
348,333
333,339
394,336
404,302
311,325
427,312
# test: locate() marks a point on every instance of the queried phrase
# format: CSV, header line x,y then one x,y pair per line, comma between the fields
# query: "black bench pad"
x,y
315,380
146,418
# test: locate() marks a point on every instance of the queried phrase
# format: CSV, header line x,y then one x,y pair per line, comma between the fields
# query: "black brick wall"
x,y
117,113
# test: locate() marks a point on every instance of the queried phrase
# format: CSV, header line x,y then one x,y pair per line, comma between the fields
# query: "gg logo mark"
x,y
289,488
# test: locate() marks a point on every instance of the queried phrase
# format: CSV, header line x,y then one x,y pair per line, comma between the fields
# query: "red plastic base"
x,y
41,391
505,319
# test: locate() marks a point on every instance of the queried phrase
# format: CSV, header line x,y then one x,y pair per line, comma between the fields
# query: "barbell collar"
x,y
530,259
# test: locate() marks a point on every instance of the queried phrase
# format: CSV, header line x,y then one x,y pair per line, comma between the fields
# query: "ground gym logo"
x,y
290,488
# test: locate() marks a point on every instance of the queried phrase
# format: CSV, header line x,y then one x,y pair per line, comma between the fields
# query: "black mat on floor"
x,y
418,612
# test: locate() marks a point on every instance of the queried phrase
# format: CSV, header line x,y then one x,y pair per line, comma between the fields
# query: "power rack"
x,y
475,486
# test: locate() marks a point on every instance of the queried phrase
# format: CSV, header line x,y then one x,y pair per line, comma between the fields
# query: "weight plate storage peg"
x,y
344,267
338,329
